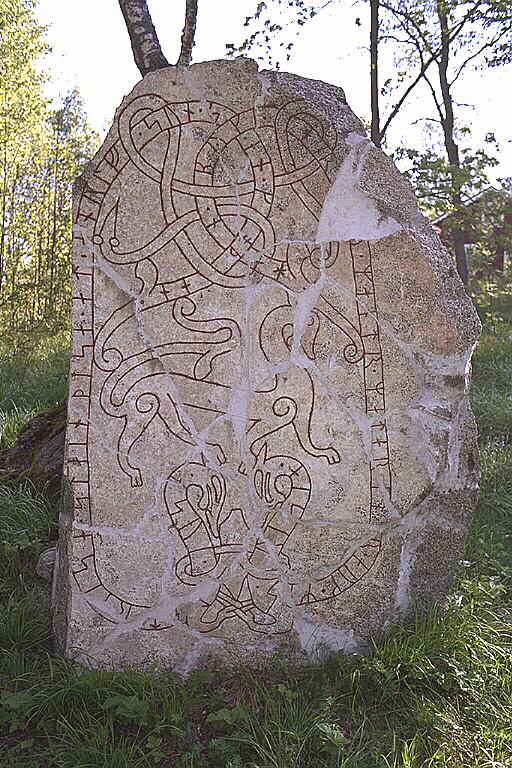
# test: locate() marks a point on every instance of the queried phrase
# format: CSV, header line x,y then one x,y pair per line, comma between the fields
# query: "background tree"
x,y
453,35
432,43
147,51
42,150
275,25
21,107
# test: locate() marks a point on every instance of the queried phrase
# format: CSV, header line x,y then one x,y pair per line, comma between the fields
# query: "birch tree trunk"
x,y
189,33
146,48
145,44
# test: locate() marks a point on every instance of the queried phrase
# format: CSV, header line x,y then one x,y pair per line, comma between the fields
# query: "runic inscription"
x,y
238,481
234,466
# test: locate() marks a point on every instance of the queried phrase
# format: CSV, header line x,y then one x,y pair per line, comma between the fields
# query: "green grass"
x,y
27,523
436,692
492,387
33,376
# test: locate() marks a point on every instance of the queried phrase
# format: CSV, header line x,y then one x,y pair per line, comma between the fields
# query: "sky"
x,y
91,50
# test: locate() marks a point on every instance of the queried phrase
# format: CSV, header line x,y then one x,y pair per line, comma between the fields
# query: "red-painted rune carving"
x,y
218,402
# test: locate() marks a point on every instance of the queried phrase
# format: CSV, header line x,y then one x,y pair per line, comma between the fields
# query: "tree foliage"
x,y
441,39
42,150
431,43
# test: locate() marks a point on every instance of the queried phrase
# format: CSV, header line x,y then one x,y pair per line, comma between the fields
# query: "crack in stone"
x,y
429,428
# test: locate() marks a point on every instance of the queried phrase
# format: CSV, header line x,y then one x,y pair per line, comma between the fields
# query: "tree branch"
x,y
404,18
189,33
489,44
440,112
398,105
145,44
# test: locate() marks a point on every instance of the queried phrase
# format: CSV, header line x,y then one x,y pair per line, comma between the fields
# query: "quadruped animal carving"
x,y
236,484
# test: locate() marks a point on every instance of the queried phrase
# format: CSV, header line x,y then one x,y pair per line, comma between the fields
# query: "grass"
x,y
492,389
434,693
33,376
27,523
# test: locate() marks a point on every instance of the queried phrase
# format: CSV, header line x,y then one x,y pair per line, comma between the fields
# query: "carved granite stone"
x,y
269,442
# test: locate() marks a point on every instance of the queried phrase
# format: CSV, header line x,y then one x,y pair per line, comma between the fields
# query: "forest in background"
x,y
43,148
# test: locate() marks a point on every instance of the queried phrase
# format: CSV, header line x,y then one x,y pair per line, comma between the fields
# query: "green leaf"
x,y
21,700
129,709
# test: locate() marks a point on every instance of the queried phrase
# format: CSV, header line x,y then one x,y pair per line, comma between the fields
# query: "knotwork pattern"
x,y
211,380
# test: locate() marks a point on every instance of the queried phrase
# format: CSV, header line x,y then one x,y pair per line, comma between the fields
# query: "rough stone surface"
x,y
38,452
269,442
46,563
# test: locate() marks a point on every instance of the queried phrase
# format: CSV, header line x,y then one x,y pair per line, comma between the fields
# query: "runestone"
x,y
269,443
